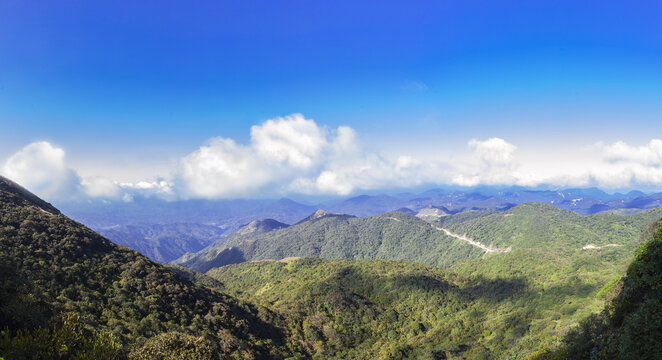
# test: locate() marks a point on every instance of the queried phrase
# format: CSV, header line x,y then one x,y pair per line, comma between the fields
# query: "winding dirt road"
x,y
472,242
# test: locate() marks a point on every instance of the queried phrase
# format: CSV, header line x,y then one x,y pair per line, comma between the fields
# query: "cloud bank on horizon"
x,y
295,155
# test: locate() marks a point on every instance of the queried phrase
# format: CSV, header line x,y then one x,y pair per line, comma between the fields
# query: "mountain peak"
x,y
431,213
260,227
321,213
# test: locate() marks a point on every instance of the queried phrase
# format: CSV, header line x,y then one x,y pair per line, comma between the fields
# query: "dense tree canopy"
x,y
53,266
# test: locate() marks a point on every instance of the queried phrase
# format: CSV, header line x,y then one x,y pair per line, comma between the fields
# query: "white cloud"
x,y
222,169
283,156
98,186
41,168
629,166
371,171
293,154
609,166
491,163
292,140
493,151
159,187
620,152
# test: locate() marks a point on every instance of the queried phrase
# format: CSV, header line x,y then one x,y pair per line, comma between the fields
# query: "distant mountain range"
x,y
166,230
582,201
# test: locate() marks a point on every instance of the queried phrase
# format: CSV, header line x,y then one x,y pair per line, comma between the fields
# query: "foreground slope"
x,y
630,327
63,267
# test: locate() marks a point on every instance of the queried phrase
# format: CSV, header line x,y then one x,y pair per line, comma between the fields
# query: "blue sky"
x,y
129,89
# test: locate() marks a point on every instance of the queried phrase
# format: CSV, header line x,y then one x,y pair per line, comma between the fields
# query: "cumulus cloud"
x,y
98,186
222,168
646,155
294,154
292,140
610,166
629,166
41,168
491,163
284,155
372,171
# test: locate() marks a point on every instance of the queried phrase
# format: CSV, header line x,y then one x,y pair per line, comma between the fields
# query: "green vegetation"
x,y
631,326
544,287
64,338
500,306
395,236
543,226
400,236
374,309
53,266
68,293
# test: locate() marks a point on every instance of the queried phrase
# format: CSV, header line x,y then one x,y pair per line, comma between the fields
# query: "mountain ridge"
x,y
443,242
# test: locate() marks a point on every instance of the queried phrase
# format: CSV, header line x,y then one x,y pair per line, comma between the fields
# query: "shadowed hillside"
x,y
53,266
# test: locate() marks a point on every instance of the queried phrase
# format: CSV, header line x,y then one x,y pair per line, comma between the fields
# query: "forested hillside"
x,y
68,292
539,225
395,235
380,309
499,306
630,327
400,236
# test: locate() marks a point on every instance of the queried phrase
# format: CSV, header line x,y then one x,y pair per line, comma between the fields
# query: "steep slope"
x,y
631,326
69,268
393,235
